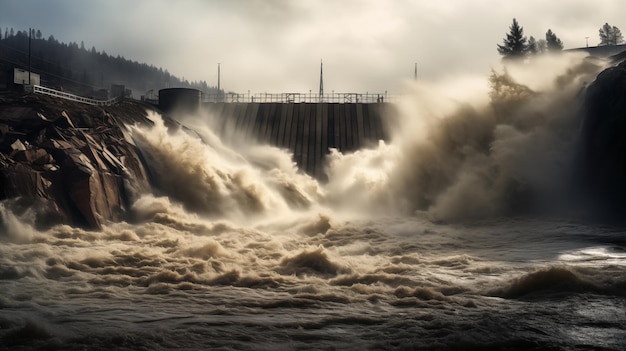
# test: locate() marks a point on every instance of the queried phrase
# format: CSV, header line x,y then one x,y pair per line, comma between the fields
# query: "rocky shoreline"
x,y
68,162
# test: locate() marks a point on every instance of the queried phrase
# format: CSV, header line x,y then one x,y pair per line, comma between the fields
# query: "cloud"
x,y
276,45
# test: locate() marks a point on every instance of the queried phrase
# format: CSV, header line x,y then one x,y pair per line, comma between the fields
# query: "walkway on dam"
x,y
308,130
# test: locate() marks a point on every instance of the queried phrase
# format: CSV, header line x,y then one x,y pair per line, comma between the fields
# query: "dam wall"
x,y
308,130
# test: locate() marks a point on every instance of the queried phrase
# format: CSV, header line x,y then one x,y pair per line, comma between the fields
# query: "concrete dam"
x,y
308,130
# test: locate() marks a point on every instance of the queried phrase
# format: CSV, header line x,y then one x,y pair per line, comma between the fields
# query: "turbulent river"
x,y
458,234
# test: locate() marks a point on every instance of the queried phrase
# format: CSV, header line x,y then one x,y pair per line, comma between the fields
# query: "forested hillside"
x,y
82,71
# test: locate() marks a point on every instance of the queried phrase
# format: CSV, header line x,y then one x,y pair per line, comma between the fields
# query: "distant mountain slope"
x,y
84,71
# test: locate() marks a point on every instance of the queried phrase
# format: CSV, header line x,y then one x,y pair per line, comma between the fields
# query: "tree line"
x,y
516,45
83,71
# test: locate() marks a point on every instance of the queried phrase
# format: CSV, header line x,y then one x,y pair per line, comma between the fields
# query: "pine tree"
x,y
610,35
617,35
82,71
553,43
532,46
514,45
541,46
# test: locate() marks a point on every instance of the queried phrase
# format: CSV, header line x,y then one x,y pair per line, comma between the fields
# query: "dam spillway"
x,y
307,130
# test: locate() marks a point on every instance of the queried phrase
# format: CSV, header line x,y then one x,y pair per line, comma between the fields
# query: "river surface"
x,y
392,283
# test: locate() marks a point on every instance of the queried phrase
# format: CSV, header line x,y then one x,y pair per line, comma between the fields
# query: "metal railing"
x,y
366,98
67,96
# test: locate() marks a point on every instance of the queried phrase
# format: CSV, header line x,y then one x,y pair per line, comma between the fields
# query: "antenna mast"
x,y
321,96
219,91
30,43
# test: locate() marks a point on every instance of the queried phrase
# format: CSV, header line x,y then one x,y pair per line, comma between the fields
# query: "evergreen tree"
x,y
553,43
542,46
514,45
617,35
81,72
39,35
532,46
610,35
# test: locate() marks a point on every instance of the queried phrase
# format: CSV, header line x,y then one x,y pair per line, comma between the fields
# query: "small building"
x,y
22,77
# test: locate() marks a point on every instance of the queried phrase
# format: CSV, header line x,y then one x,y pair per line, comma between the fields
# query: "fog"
x,y
476,147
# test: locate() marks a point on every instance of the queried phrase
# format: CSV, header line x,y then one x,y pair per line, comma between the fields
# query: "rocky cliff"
x,y
68,162
602,156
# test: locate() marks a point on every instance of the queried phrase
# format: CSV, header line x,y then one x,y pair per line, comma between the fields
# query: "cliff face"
x,y
68,162
602,156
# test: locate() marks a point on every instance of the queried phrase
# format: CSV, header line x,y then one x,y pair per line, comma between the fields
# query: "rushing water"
x,y
446,238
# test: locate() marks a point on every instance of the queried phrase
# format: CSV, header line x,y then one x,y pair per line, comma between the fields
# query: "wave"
x,y
314,262
208,178
560,280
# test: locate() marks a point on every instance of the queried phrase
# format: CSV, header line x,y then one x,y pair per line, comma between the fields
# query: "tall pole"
x,y
219,91
321,95
30,39
415,73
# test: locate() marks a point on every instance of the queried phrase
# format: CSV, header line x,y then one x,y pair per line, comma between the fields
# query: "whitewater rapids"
x,y
446,238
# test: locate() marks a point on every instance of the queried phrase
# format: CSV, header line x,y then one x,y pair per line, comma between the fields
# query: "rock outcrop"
x,y
69,162
602,157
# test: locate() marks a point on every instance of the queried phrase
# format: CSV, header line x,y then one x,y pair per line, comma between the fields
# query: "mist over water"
x,y
430,241
483,147
461,149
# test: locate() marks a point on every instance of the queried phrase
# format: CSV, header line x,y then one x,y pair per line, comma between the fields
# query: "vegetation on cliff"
x,y
516,45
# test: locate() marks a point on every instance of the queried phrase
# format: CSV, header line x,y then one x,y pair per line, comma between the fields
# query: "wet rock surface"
x,y
68,162
603,142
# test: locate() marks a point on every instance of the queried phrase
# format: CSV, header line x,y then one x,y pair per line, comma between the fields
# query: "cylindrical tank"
x,y
180,100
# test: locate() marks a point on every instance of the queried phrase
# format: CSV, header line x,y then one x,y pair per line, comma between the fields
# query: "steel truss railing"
x,y
67,96
297,97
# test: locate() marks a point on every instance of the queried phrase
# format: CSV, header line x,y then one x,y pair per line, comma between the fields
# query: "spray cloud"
x,y
457,154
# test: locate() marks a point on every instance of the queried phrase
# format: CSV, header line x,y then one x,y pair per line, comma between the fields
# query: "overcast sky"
x,y
277,45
